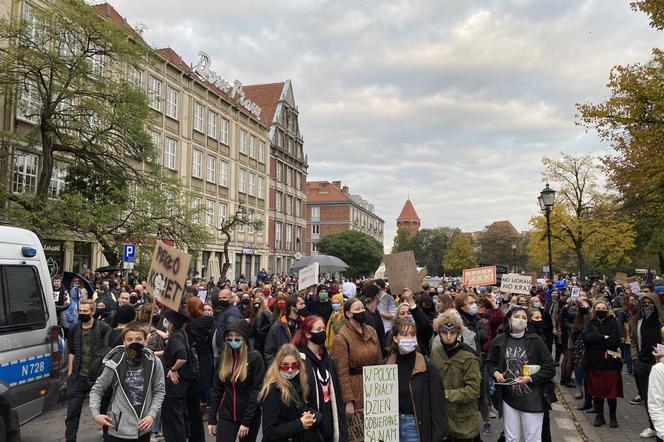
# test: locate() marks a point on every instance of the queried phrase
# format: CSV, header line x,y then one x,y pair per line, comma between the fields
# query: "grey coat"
x,y
122,413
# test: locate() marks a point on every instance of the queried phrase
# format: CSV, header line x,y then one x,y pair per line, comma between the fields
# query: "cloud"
x,y
453,101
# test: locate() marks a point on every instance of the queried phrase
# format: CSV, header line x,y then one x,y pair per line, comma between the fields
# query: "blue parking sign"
x,y
129,254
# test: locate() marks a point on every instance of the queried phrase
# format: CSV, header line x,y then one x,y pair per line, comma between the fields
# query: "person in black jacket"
x,y
323,376
284,396
424,325
176,358
283,329
235,410
466,305
603,364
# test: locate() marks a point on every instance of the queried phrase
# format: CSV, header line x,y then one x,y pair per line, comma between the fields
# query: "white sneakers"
x,y
648,433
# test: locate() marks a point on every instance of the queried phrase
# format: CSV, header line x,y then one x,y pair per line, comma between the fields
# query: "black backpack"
x,y
192,369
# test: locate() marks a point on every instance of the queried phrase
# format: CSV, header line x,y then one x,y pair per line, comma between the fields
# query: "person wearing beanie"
x,y
125,314
336,320
320,304
176,358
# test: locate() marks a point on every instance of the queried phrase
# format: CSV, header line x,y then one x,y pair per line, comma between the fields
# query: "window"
x,y
223,173
156,139
277,201
97,62
224,131
197,164
195,206
298,207
298,181
314,247
315,229
35,29
252,147
25,173
279,176
261,188
199,110
172,103
29,103
289,205
211,168
243,181
252,184
261,152
250,218
21,298
154,93
209,214
212,125
315,212
135,77
58,181
170,148
243,142
289,237
223,212
277,235
289,173
298,239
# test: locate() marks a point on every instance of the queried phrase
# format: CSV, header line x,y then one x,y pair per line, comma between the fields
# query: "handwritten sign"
x,y
308,276
401,270
515,283
621,278
356,427
381,403
479,276
168,274
635,288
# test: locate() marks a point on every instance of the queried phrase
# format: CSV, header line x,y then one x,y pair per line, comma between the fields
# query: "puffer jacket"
x,y
124,416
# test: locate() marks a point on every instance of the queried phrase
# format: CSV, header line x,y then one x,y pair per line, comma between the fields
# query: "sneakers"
x,y
487,429
492,412
636,401
648,433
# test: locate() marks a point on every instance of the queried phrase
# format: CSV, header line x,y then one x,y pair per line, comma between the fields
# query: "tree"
x,y
584,222
460,255
361,252
496,245
429,247
241,218
402,241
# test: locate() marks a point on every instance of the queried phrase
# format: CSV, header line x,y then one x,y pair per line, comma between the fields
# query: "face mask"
x,y
472,309
289,374
407,345
647,310
235,344
84,318
601,314
439,290
99,313
537,305
518,324
318,338
134,351
166,323
336,307
281,305
322,296
257,305
359,317
76,284
245,302
224,303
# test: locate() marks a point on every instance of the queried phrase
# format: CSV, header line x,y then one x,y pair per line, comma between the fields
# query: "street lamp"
x,y
546,199
513,257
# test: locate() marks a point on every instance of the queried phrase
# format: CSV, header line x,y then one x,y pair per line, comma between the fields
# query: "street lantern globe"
x,y
513,246
540,200
548,196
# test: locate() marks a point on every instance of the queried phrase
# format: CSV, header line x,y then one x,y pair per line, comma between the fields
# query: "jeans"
x,y
408,428
578,376
627,356
156,424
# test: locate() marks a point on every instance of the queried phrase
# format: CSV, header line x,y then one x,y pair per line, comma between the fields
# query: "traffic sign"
x,y
129,254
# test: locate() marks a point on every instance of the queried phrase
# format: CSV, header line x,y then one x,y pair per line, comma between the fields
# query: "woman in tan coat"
x,y
355,346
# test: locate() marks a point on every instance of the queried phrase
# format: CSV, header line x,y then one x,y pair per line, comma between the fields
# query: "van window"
x,y
21,300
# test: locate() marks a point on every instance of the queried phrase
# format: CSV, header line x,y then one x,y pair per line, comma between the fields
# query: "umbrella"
x,y
108,269
68,277
328,264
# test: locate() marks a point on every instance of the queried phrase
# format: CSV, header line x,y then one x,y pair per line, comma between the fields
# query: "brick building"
x,y
408,219
332,209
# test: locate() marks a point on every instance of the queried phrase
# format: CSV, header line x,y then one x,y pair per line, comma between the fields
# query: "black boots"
x,y
613,422
613,405
587,403
599,409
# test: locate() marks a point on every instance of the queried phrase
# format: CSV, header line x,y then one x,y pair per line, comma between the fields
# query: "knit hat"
x,y
125,314
240,326
339,298
320,288
176,318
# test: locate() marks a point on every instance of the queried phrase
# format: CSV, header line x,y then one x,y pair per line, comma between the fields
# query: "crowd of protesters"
x,y
239,359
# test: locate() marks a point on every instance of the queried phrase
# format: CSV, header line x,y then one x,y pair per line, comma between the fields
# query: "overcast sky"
x,y
457,101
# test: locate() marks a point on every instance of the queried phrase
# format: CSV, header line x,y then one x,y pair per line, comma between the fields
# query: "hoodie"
x,y
123,414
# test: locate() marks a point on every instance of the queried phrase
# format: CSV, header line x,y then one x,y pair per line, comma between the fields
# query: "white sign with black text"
x,y
515,283
308,276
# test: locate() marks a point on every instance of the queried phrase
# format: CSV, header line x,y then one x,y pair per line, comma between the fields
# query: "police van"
x,y
31,344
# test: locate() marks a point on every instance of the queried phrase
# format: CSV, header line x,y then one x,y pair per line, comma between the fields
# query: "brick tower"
x,y
408,219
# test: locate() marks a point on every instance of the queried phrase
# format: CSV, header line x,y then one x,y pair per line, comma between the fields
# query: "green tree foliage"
x,y
429,246
496,246
402,241
459,255
361,252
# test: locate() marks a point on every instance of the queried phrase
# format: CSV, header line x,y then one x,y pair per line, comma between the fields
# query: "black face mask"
x,y
360,317
601,314
584,310
224,303
100,312
318,338
134,352
245,302
84,318
536,326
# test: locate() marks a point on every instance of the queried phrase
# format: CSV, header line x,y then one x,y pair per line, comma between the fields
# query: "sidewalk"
x,y
632,419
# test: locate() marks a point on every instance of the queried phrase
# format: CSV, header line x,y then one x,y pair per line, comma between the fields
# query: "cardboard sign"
x,y
621,278
168,274
401,271
479,276
356,427
308,276
381,403
515,283
635,288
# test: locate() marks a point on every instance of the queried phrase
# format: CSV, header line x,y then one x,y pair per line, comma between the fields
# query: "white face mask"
x,y
407,345
166,324
289,374
518,324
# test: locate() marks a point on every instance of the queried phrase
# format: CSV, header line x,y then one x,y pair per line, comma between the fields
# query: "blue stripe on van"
x,y
25,370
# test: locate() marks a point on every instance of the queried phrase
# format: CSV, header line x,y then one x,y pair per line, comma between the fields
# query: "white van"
x,y
31,344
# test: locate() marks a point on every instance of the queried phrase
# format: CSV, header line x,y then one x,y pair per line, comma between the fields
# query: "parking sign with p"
x,y
129,254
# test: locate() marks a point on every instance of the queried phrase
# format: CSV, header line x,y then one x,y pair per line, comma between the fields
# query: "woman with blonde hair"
x,y
283,398
235,411
336,320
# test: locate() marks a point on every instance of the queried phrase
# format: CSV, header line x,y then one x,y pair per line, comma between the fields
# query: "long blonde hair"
x,y
226,366
272,376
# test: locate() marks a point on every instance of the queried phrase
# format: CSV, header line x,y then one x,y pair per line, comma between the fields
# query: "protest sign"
x,y
515,283
479,276
168,274
308,276
635,288
575,292
202,294
621,278
356,427
401,270
381,403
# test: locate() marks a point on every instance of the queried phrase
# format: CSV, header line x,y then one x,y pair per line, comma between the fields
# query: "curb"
x,y
583,427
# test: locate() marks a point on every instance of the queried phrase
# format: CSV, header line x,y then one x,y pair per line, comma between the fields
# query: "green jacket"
x,y
461,379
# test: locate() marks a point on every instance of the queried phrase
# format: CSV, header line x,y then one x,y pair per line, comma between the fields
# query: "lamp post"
x,y
546,200
513,257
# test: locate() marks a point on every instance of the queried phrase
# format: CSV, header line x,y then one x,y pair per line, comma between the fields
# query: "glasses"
x,y
289,367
